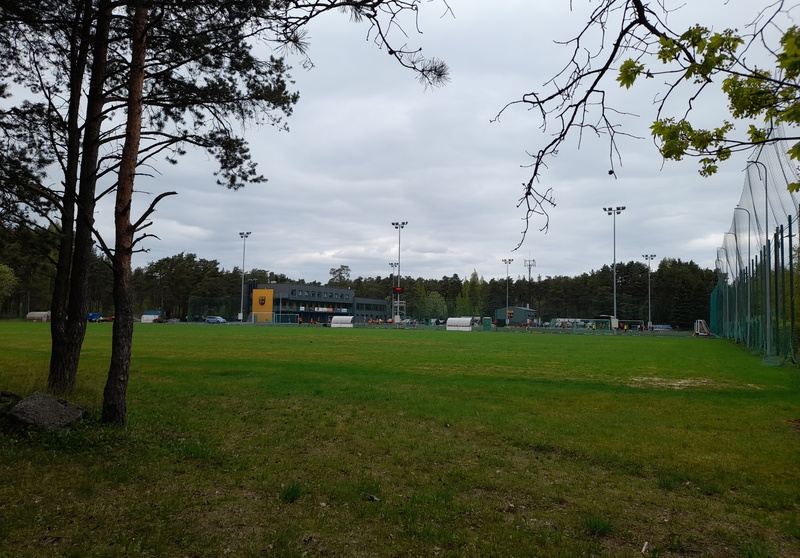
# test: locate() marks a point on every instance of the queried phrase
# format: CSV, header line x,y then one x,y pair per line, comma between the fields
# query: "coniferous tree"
x,y
182,74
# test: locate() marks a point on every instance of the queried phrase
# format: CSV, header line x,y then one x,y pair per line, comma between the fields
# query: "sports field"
x,y
259,441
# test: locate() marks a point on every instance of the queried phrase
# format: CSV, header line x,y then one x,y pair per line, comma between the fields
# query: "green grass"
x,y
255,441
597,526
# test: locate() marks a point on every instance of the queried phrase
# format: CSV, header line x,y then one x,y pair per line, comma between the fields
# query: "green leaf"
x,y
789,59
794,151
708,166
756,135
628,72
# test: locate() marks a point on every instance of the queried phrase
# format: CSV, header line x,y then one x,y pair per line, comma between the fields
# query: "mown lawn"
x,y
251,441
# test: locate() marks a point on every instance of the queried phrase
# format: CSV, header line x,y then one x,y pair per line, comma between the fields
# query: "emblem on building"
x,y
262,300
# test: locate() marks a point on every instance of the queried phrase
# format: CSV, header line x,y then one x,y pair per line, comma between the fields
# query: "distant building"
x,y
516,316
275,301
367,309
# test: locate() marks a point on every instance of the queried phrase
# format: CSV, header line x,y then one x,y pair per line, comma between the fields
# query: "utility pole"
x,y
507,261
530,264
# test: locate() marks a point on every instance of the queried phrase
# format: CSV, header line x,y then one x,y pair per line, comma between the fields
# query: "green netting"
x,y
753,302
199,307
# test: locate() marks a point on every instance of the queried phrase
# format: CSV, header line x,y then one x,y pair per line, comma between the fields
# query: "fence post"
x,y
791,292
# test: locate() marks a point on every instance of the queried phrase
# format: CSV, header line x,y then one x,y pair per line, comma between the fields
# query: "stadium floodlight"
x,y
399,226
243,236
614,211
649,258
507,261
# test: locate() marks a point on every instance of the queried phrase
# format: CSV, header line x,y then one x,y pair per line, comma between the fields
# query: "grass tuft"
x,y
667,483
597,526
677,543
291,493
755,549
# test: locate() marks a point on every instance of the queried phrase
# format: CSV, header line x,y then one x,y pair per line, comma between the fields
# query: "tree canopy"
x,y
111,86
340,276
623,41
7,282
680,290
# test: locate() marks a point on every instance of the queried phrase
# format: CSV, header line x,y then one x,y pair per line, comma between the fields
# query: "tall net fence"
x,y
227,306
753,302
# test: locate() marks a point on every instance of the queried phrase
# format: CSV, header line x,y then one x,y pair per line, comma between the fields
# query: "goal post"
x,y
261,317
701,328
273,318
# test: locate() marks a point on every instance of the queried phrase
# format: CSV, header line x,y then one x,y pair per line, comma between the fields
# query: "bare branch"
x,y
140,223
575,101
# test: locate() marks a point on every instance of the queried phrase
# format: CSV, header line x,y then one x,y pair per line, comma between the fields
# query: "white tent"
x,y
459,324
38,317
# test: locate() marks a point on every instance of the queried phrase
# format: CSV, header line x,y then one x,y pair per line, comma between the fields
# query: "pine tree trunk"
x,y
69,305
115,393
115,409
63,370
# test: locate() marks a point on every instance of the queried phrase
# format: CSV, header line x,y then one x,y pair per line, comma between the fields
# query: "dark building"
x,y
283,302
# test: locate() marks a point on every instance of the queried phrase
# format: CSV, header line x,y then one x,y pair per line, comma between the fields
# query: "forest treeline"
x,y
679,290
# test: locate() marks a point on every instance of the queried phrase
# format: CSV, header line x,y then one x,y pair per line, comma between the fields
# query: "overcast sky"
x,y
369,145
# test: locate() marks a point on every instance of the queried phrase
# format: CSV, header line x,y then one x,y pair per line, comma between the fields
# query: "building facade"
x,y
516,316
286,302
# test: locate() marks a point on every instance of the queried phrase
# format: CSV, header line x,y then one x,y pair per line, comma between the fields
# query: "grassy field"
x,y
255,441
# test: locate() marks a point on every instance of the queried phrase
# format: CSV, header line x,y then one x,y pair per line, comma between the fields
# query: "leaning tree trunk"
x,y
69,305
115,393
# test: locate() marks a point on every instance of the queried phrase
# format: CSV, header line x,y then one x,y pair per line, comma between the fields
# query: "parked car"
x,y
215,320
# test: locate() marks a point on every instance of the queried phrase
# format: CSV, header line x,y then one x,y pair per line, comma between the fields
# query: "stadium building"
x,y
516,316
296,302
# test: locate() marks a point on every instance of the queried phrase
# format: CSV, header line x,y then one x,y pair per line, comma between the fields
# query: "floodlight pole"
x,y
768,317
718,264
727,312
735,280
649,258
530,264
507,261
393,265
243,236
747,332
614,211
399,226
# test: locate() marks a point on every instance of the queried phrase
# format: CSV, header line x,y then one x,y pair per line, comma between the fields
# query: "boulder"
x,y
45,411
